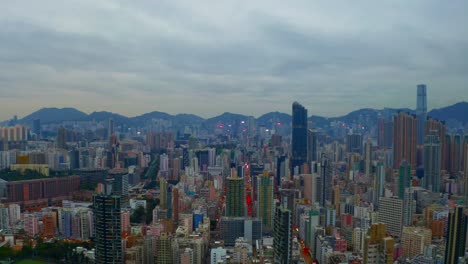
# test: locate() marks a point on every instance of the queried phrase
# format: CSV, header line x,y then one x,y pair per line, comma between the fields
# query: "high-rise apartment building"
x,y
106,209
299,135
414,240
433,125
391,214
432,162
235,197
62,138
404,139
164,249
282,235
312,146
456,235
404,178
378,246
385,133
421,112
265,200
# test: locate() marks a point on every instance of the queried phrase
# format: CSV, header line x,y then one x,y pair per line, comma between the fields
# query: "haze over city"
x,y
236,56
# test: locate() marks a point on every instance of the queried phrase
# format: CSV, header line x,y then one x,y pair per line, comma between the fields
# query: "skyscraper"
x,y
282,235
265,199
299,135
37,128
379,182
110,128
421,112
404,178
235,197
106,209
439,126
456,235
312,145
62,138
163,249
326,180
404,139
432,162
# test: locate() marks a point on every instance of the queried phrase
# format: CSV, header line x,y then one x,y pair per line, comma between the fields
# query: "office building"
x,y
456,235
299,135
421,112
404,139
432,162
235,197
282,235
106,209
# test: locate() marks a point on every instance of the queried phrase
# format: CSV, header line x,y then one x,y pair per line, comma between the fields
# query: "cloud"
x,y
249,57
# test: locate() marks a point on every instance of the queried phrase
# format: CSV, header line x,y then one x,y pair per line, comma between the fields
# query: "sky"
x,y
250,57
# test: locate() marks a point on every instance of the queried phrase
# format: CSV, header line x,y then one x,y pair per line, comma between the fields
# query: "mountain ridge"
x,y
457,112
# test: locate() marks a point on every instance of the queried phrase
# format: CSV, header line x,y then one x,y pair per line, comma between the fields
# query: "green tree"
x,y
138,215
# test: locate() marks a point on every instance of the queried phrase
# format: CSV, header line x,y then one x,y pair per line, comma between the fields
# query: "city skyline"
x,y
132,58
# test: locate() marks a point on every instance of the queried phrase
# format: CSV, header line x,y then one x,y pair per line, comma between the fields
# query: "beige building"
x,y
414,239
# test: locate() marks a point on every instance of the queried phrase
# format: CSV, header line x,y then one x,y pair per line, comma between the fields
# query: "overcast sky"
x,y
250,57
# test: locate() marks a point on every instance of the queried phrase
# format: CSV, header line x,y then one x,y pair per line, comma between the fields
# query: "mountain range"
x,y
453,114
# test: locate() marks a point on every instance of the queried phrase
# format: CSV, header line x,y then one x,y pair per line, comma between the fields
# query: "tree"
x,y
138,216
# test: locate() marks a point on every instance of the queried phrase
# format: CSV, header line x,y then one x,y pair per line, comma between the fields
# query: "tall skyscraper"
x,y
404,178
265,200
163,193
421,112
312,146
385,133
379,182
282,235
107,227
326,180
299,135
110,128
368,155
456,235
439,126
409,206
235,197
404,139
391,214
62,138
432,162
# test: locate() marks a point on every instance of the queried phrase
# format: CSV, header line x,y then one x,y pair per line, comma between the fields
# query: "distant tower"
x,y
106,209
299,135
282,235
368,157
404,139
62,138
235,197
354,143
326,180
37,128
379,182
456,235
432,162
110,128
421,112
